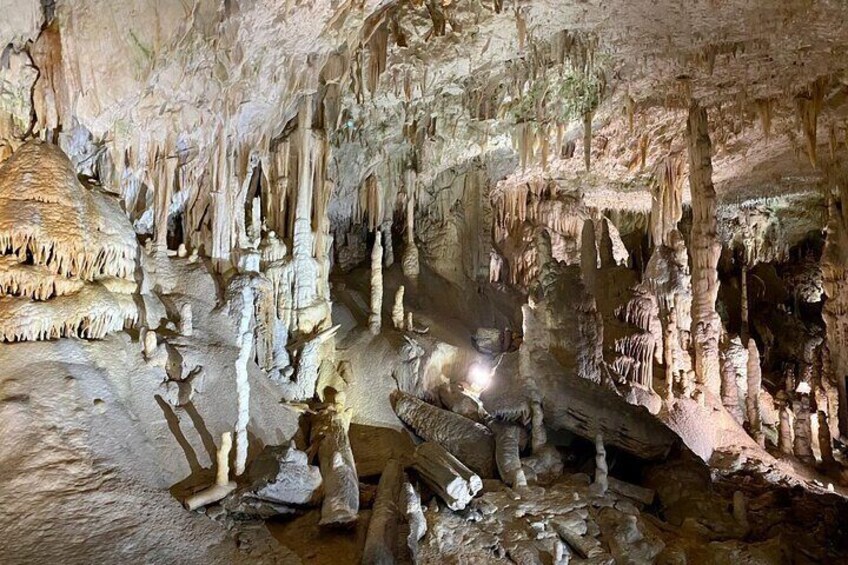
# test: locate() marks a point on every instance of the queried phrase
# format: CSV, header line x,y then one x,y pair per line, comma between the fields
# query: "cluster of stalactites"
x,y
667,197
537,202
67,252
637,352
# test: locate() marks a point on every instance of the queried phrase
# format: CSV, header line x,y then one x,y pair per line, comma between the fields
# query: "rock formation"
x,y
621,228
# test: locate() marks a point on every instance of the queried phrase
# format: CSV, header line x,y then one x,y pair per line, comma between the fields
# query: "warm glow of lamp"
x,y
479,376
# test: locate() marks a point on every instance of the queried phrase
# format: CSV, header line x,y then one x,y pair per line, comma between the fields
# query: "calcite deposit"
x,y
425,281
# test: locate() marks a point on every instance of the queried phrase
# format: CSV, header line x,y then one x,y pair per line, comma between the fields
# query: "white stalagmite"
x,y
244,341
507,456
752,398
706,249
375,317
397,309
149,343
186,323
223,485
601,484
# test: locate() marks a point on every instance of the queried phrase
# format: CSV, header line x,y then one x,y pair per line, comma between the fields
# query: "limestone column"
x,y
375,317
785,425
410,265
705,249
803,445
752,398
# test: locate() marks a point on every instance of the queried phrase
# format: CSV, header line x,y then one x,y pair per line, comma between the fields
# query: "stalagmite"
x,y
752,398
734,365
445,475
743,285
601,484
705,248
470,442
411,269
375,316
149,344
338,469
244,341
785,441
825,441
223,486
539,436
507,452
186,325
302,387
803,444
410,504
381,542
397,310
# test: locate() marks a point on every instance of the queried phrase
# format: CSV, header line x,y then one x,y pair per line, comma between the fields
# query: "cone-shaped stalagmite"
x,y
752,399
705,248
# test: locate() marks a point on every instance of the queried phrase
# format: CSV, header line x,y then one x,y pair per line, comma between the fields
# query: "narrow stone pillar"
x,y
744,332
784,425
410,265
601,484
705,249
803,445
397,309
752,398
375,318
825,442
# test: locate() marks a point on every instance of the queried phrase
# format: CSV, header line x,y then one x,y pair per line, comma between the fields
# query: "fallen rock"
x,y
280,481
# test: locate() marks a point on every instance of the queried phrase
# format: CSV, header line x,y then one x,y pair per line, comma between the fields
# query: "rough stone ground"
x,y
91,454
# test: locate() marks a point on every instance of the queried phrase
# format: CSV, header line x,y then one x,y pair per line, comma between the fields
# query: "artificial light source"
x,y
803,388
479,376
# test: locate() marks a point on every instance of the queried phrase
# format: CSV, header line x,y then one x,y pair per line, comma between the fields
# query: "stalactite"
x,y
587,139
752,399
667,197
765,110
809,105
375,316
706,249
